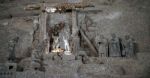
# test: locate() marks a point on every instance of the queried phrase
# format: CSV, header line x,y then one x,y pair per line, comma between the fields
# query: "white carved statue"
x,y
66,46
56,42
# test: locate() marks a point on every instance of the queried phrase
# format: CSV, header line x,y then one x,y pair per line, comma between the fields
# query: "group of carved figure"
x,y
63,36
115,47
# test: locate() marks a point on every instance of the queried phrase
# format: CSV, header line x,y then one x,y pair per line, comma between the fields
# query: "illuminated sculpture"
x,y
66,44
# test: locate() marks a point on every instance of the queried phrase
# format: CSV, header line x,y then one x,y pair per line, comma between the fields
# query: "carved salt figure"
x,y
114,46
129,46
97,39
56,42
12,45
36,32
36,23
66,43
103,46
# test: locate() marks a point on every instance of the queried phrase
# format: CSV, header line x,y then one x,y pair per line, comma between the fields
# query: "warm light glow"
x,y
51,9
67,53
57,50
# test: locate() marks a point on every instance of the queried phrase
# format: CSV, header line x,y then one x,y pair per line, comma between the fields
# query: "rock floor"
x,y
96,68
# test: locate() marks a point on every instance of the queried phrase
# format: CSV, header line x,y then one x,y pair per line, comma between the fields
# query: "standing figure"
x,y
103,46
66,43
36,29
56,42
129,46
114,46
12,45
97,39
66,46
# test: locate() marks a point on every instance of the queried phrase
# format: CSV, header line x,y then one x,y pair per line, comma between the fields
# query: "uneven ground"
x,y
96,68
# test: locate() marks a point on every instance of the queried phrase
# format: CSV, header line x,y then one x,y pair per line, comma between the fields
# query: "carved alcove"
x,y
58,27
71,24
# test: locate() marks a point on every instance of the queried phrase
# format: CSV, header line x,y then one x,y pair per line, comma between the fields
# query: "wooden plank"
x,y
43,25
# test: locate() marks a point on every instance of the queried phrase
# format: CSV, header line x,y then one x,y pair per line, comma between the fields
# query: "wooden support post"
x,y
43,24
76,42
89,43
75,31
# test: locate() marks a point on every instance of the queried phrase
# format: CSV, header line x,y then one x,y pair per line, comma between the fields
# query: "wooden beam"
x,y
10,15
43,24
93,51
75,30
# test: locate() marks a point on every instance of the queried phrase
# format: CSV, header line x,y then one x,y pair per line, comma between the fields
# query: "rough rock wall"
x,y
24,27
117,16
3,41
16,27
124,17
